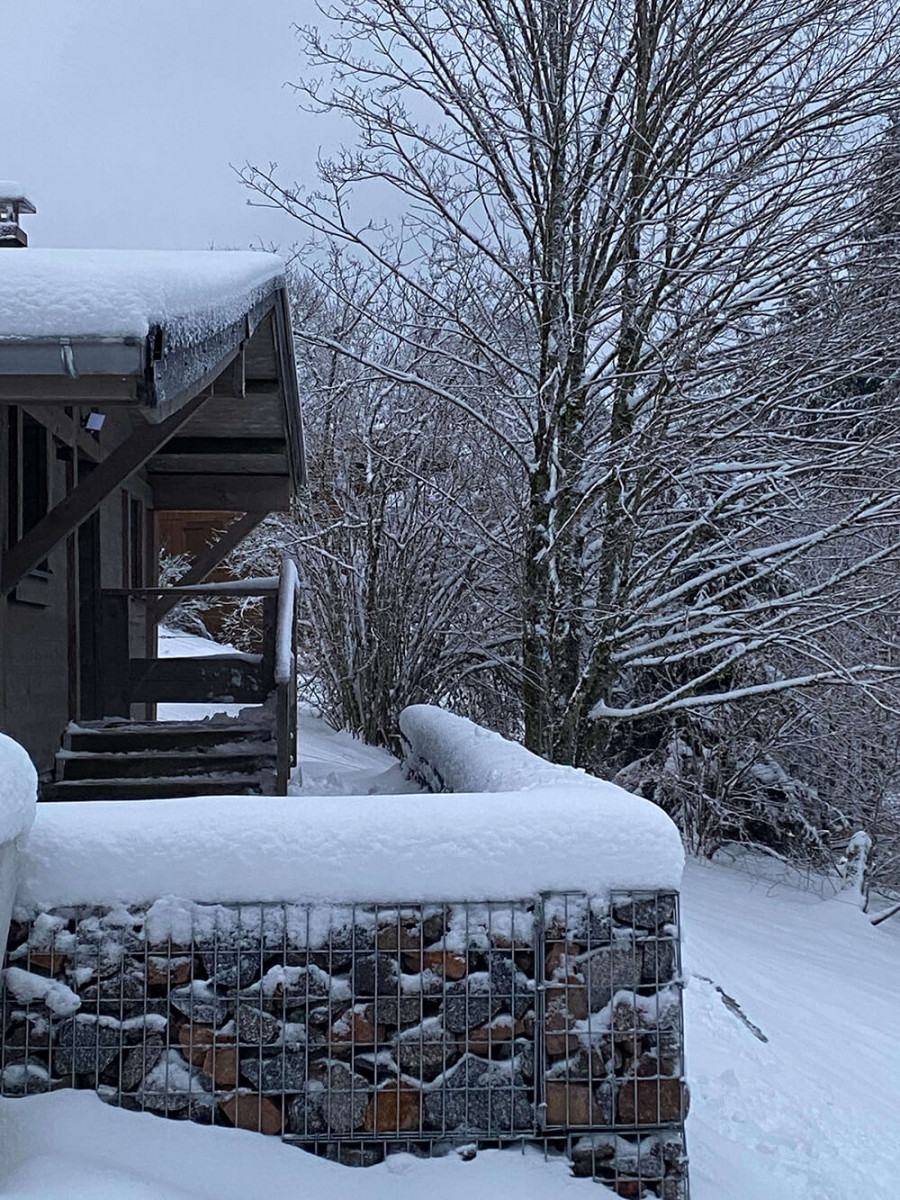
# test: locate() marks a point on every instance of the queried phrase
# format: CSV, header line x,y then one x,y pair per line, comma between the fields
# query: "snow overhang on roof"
x,y
149,328
166,316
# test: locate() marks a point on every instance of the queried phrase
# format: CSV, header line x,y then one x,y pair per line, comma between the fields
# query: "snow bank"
x,y
71,1144
18,790
350,848
122,293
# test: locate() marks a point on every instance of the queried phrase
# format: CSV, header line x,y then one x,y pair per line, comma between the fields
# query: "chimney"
x,y
13,202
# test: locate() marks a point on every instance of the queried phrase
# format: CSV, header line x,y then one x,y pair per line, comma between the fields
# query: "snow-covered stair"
x,y
131,760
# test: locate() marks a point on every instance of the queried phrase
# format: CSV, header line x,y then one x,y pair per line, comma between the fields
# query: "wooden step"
x,y
126,737
81,764
152,789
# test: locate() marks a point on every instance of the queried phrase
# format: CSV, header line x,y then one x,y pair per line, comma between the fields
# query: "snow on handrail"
x,y
284,630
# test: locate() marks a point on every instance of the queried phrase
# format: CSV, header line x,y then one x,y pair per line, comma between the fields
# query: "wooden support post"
x,y
113,665
90,493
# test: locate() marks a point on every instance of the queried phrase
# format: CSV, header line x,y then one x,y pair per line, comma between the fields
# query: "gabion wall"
x,y
353,1031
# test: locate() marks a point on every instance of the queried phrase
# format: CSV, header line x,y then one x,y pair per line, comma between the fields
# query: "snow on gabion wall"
x,y
358,1029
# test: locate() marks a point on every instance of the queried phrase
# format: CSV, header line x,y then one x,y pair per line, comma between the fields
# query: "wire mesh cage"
x,y
357,1030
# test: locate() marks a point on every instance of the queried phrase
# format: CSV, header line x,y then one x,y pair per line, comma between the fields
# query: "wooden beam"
x,y
208,560
217,493
129,456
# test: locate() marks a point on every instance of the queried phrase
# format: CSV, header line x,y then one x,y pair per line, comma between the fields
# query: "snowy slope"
x,y
814,1113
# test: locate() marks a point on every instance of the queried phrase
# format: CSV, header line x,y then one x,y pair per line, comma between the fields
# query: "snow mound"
x,y
69,1144
123,293
18,790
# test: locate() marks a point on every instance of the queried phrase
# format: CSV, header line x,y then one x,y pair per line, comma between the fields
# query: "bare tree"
x,y
611,212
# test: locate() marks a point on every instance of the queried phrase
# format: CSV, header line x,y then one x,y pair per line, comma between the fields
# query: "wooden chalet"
x,y
137,388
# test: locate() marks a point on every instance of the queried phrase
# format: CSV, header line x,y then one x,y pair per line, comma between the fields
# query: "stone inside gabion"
x,y
358,1031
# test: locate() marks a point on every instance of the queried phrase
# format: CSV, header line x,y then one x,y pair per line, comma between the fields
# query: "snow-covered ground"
x,y
814,1113
811,1113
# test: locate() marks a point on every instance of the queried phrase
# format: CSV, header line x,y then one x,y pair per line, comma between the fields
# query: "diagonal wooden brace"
x,y
90,493
210,558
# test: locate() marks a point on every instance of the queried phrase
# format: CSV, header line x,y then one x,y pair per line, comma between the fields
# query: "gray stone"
x,y
229,971
610,969
470,1002
514,989
426,1050
201,1005
658,965
335,1102
82,1046
357,1154
605,1102
284,1073
480,1096
647,912
139,1060
523,1059
375,975
121,986
255,1027
398,1011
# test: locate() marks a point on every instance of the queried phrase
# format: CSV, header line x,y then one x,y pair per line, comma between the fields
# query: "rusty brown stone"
x,y
482,1038
396,1106
557,1039
568,995
168,972
571,1104
355,1028
649,1066
221,1065
253,1112
196,1041
560,958
444,962
48,960
650,1101
407,937
631,1188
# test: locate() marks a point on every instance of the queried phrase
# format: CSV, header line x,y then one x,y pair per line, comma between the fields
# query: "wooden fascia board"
x,y
284,341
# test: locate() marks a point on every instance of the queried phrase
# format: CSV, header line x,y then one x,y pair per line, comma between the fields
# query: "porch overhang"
x,y
201,354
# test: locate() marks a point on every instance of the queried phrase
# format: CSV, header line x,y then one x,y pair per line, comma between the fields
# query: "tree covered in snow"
x,y
595,391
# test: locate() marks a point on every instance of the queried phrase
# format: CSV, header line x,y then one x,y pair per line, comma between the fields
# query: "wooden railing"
x,y
125,680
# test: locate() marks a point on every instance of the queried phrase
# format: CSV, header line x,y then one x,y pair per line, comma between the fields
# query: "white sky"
x,y
121,118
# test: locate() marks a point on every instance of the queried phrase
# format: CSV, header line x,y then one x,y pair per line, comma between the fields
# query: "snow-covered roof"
x,y
48,294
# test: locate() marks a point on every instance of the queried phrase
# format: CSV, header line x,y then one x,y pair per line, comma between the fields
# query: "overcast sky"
x,y
121,118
